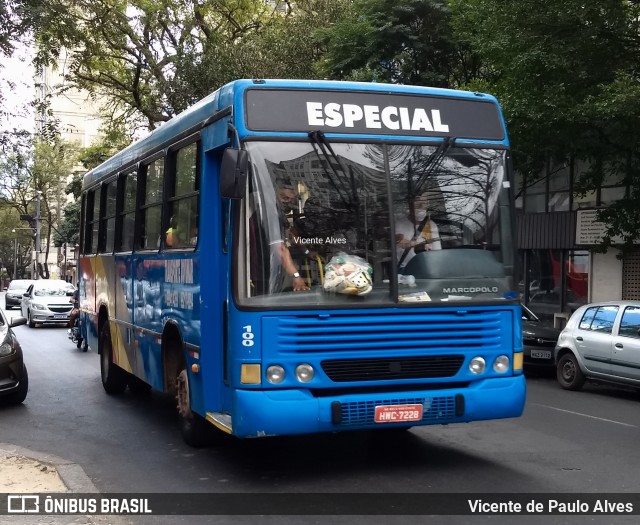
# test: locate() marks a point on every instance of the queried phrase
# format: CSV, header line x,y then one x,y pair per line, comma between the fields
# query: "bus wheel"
x,y
114,379
192,426
138,386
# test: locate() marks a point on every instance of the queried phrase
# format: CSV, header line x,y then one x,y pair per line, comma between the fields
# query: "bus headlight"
x,y
304,373
275,374
477,365
501,364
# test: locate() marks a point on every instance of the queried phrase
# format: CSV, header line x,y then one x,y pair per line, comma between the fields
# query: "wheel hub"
x,y
182,394
568,371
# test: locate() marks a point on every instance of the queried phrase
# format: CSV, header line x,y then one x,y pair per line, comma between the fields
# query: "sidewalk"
x,y
27,472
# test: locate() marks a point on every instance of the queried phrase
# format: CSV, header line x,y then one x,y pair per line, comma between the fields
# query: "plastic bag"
x,y
348,274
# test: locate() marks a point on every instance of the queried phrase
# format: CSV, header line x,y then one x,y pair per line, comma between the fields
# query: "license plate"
x,y
398,413
61,316
540,354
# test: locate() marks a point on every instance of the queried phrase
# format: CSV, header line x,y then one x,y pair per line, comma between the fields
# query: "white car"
x,y
48,301
601,341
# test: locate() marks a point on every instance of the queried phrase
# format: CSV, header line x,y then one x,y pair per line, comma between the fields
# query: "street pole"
x,y
15,257
37,218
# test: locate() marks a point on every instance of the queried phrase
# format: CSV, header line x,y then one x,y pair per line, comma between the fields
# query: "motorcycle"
x,y
75,335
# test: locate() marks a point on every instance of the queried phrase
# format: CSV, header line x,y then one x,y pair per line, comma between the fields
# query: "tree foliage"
x,y
566,74
565,71
38,173
152,59
399,41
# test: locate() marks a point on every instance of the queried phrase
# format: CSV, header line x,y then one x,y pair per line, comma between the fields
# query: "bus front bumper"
x,y
259,413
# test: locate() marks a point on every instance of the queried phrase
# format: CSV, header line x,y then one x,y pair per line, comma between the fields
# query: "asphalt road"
x,y
565,442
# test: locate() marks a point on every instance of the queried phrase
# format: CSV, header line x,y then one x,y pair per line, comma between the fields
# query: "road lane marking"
x,y
586,415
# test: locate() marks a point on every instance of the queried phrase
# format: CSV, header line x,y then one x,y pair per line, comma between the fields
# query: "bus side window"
x,y
152,206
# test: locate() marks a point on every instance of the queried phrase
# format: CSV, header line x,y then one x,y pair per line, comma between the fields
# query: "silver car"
x,y
48,301
601,341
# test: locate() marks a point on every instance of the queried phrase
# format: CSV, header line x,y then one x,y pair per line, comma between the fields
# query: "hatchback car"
x,y
14,380
47,301
16,289
538,340
601,341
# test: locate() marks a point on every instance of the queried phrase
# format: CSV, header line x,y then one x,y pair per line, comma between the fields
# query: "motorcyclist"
x,y
75,312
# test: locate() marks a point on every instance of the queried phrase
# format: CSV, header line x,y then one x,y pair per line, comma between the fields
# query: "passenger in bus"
x,y
171,238
269,238
416,232
193,240
287,199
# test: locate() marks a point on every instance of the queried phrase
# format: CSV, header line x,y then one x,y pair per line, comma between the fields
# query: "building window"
x,y
556,281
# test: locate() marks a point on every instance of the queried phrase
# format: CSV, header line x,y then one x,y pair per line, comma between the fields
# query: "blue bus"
x,y
290,257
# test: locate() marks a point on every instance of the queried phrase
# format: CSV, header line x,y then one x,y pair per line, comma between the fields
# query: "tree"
x,y
38,173
153,59
399,41
566,74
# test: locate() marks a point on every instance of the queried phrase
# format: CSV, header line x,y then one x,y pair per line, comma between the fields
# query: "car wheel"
x,y
569,374
6,306
114,378
20,395
193,427
32,324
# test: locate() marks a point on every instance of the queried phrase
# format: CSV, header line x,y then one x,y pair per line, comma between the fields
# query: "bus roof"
x,y
230,95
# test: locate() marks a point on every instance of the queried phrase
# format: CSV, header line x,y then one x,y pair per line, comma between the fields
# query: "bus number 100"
x,y
247,336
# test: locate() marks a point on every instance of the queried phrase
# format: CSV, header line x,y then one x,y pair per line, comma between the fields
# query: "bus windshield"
x,y
353,217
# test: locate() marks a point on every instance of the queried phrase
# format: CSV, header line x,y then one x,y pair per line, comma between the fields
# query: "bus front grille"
x,y
433,332
435,409
375,369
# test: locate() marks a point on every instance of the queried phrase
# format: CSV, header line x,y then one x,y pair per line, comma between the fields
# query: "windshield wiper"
x,y
433,163
320,142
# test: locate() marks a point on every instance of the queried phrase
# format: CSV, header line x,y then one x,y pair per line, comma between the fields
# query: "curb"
x,y
72,474
75,479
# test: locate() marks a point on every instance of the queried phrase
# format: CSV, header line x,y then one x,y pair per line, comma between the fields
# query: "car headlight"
x,y
6,349
477,365
501,364
275,374
37,306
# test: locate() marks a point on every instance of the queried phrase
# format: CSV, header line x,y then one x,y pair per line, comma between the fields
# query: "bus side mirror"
x,y
233,173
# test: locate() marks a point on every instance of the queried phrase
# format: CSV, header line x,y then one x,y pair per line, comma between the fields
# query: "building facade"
x,y
557,232
78,116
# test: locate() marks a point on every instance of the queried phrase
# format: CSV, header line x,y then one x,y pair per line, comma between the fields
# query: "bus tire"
x,y
137,386
193,427
114,379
